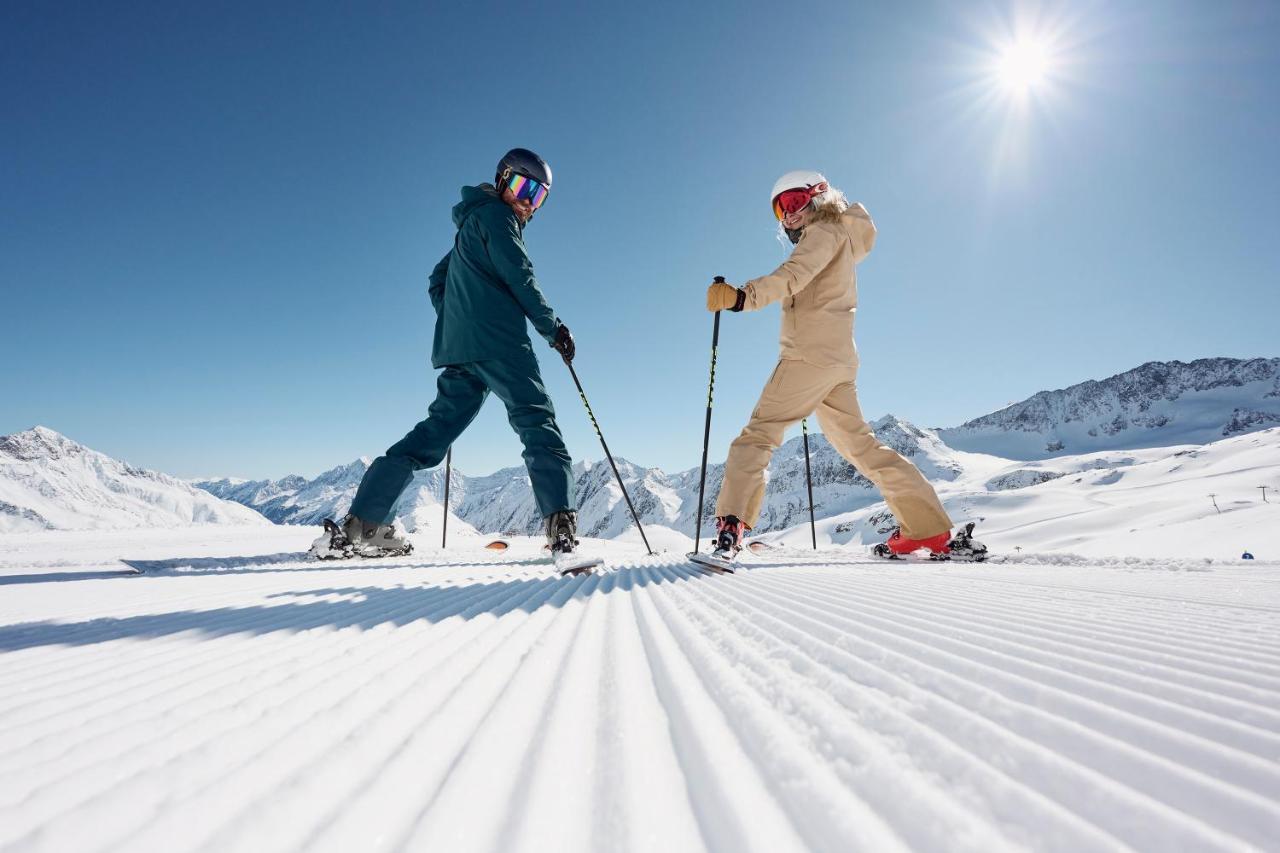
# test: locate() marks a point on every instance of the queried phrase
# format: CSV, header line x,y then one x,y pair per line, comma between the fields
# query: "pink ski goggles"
x,y
794,201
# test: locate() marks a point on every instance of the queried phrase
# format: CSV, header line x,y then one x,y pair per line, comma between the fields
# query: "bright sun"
x,y
1022,65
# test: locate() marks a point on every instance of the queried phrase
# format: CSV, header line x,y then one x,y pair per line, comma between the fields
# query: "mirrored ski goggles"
x,y
794,201
527,189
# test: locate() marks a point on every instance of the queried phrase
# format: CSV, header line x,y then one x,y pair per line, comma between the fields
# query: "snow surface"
x,y
239,697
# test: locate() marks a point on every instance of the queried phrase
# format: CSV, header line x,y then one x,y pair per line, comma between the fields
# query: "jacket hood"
x,y
474,198
857,223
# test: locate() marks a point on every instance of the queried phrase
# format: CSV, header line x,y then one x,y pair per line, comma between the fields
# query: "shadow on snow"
x,y
285,562
359,607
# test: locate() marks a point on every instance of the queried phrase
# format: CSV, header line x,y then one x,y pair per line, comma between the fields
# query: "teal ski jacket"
x,y
484,289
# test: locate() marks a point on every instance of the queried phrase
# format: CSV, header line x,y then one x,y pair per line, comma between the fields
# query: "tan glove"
x,y
724,297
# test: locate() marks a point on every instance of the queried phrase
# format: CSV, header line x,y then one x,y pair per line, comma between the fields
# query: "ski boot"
x,y
356,538
730,531
898,546
944,546
562,538
964,547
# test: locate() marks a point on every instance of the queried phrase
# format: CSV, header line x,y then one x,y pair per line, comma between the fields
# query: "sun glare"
x,y
1023,65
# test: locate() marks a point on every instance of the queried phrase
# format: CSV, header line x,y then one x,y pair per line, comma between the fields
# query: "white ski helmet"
x,y
801,179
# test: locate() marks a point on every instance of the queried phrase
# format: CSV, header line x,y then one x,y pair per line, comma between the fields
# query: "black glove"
x,y
564,343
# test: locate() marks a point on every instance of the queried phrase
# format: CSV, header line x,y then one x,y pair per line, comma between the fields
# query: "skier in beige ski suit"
x,y
817,368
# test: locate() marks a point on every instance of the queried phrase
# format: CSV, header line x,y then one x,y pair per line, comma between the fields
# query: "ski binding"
x,y
715,562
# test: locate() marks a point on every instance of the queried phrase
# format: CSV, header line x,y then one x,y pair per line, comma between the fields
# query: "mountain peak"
x,y
1158,403
39,442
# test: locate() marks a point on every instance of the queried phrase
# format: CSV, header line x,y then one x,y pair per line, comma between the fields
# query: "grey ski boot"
x,y
357,538
562,539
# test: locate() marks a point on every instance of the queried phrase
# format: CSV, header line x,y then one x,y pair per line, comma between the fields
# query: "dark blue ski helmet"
x,y
522,161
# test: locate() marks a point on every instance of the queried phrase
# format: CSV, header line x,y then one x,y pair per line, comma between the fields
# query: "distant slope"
x,y
1156,405
49,482
1151,502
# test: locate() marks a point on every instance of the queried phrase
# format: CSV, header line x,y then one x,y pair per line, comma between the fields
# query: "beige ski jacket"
x,y
819,288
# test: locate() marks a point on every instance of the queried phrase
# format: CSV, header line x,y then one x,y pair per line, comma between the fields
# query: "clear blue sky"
x,y
217,220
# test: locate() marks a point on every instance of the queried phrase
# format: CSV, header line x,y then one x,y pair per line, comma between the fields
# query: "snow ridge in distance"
x,y
1158,404
503,502
49,482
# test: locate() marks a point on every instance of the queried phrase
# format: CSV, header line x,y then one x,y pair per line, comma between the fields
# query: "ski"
x,y
580,566
711,563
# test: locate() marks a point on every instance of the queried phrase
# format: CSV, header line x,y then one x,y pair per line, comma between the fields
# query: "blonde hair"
x,y
828,206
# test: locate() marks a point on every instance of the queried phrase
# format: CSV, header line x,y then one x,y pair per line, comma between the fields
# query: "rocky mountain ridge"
x,y
1157,404
49,482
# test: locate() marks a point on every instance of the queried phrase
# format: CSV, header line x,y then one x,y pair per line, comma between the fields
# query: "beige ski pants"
x,y
794,391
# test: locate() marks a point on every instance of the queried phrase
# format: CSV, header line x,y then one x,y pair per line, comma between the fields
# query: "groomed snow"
x,y
238,697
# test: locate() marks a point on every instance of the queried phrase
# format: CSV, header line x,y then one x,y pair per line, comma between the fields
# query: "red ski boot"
x,y
730,531
899,546
944,546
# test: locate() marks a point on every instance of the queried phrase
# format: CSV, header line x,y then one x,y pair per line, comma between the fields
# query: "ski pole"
x,y
706,429
608,455
808,478
448,471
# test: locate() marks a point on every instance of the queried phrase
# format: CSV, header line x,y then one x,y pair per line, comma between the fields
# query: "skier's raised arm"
x,y
811,256
436,289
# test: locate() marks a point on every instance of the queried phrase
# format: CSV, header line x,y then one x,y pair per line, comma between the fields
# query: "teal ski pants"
x,y
460,392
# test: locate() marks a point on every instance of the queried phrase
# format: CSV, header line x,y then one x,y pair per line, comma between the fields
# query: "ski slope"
x,y
238,697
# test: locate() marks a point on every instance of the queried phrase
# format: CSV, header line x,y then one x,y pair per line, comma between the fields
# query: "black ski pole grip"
x,y
720,279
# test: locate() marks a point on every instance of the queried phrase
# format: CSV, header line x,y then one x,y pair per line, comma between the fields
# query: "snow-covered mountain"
x,y
1156,405
297,500
1152,500
503,502
1189,500
49,482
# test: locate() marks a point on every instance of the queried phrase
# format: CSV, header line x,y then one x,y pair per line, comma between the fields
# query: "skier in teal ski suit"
x,y
483,291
